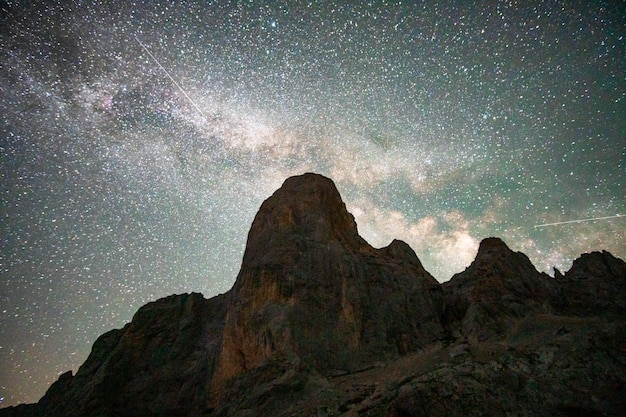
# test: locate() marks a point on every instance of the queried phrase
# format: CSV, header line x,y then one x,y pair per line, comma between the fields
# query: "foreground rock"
x,y
319,323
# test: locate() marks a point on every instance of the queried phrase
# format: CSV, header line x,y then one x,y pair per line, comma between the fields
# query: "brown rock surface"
x,y
158,364
319,323
311,288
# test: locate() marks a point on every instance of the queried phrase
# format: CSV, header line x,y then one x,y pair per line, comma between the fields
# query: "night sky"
x,y
138,140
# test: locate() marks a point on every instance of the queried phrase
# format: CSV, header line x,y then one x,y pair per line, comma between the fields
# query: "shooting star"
x,y
172,78
580,220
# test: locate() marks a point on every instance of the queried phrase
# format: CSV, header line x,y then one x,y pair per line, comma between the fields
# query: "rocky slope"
x,y
319,323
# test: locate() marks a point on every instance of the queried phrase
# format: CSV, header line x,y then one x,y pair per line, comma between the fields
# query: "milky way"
x,y
139,140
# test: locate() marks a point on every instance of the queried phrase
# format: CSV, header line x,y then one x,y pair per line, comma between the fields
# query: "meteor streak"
x,y
579,220
171,78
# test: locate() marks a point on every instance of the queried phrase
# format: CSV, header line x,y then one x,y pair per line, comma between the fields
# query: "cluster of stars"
x,y
139,138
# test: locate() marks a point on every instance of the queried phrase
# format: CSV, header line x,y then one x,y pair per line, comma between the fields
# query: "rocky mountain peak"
x,y
499,285
596,280
496,262
492,245
493,250
306,271
307,206
599,264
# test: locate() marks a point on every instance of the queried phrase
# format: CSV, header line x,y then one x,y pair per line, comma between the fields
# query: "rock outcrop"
x,y
499,287
594,284
319,323
311,288
158,364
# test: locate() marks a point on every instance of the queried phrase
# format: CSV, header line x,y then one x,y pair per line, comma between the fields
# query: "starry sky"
x,y
138,140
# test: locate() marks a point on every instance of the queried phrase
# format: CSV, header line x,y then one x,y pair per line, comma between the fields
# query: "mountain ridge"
x,y
319,322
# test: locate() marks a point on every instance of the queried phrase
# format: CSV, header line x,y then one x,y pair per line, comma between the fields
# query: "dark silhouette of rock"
x,y
319,323
496,289
158,364
595,284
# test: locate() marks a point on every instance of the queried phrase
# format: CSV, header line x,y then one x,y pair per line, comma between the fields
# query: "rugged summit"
x,y
319,323
595,283
311,288
496,289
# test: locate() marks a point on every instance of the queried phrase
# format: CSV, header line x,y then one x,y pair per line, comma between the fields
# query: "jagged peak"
x,y
557,273
495,250
492,245
400,248
306,271
495,259
597,264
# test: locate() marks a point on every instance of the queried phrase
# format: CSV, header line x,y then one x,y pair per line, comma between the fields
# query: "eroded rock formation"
x,y
319,323
311,288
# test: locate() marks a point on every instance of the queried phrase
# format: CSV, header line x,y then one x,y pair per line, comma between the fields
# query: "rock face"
x,y
158,364
311,288
319,323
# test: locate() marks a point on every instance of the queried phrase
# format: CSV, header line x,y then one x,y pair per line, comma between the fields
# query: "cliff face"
x,y
311,288
158,364
320,323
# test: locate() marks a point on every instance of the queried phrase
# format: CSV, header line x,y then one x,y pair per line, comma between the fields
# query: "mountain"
x,y
499,287
320,323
